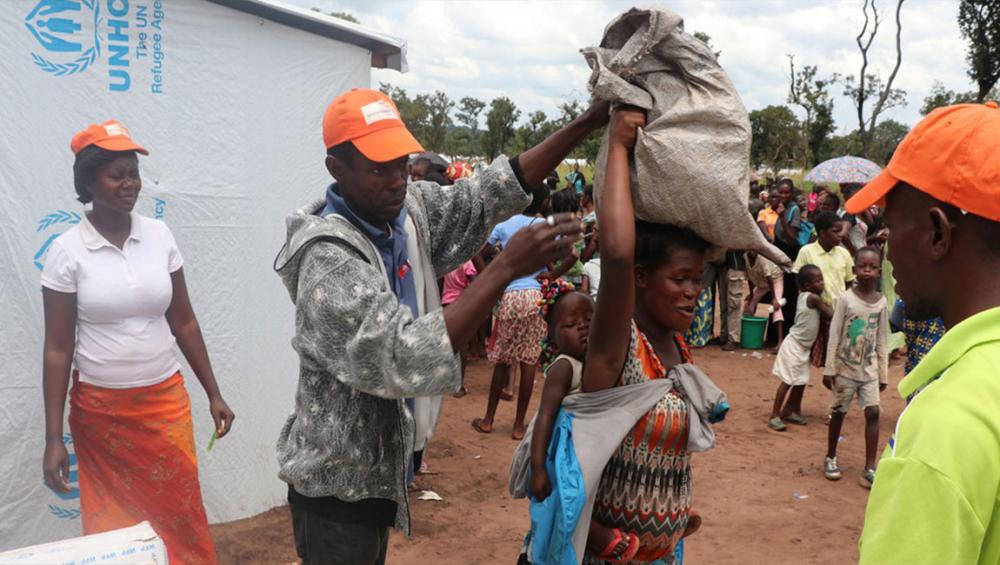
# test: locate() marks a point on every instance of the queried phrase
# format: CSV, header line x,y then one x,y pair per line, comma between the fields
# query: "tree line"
x,y
783,140
454,127
782,136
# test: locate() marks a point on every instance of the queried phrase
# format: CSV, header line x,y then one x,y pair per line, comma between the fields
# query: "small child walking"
x,y
567,313
792,363
857,360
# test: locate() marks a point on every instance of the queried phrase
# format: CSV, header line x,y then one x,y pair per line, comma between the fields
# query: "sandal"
x,y
477,425
631,549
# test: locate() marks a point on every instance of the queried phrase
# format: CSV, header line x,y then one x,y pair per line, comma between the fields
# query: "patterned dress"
x,y
700,332
646,485
920,338
518,329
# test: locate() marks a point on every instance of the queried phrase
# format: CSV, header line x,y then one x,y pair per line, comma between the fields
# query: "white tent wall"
x,y
235,144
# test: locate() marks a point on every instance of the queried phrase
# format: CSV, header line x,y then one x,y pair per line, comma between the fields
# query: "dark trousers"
x,y
322,541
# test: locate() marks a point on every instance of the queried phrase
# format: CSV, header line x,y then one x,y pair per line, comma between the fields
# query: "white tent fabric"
x,y
230,106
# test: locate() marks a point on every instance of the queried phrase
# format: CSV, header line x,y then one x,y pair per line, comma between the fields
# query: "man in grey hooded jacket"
x,y
360,267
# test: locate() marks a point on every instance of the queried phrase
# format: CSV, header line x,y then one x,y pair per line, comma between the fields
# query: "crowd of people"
x,y
402,268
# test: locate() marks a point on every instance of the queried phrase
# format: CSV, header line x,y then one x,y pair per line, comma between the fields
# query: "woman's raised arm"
x,y
609,332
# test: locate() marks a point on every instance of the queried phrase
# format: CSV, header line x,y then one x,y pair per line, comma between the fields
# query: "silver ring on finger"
x,y
551,221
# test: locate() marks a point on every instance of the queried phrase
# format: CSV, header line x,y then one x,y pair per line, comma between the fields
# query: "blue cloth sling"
x,y
554,519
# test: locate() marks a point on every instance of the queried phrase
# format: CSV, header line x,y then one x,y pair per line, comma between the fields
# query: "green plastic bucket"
x,y
752,332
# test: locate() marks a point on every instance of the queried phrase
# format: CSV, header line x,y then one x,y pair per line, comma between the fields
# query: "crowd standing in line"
x,y
599,299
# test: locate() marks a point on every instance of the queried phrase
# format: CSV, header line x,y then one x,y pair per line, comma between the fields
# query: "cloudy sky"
x,y
529,51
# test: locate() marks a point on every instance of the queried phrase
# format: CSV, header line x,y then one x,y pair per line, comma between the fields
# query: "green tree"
x,y
500,122
459,142
533,131
885,139
979,21
468,115
568,111
591,145
777,137
439,108
415,112
873,88
342,15
840,146
707,40
819,131
941,96
810,93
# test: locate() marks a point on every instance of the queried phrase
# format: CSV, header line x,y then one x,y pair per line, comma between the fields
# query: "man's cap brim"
x,y
872,194
387,144
120,144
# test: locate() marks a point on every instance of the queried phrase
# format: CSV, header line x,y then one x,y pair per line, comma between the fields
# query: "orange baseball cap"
x,y
953,155
371,121
110,135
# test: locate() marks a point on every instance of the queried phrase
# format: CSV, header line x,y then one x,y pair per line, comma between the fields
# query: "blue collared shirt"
x,y
391,247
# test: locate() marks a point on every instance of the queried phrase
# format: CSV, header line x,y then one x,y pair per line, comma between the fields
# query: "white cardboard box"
x,y
138,544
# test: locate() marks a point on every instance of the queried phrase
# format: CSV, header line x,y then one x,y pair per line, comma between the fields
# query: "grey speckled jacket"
x,y
361,351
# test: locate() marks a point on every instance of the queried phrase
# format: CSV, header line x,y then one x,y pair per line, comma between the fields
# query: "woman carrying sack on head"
x,y
650,281
115,304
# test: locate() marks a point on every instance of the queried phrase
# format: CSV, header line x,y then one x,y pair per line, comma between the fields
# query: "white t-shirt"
x,y
122,295
592,270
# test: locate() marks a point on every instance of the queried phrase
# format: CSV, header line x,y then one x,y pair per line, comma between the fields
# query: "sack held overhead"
x,y
691,164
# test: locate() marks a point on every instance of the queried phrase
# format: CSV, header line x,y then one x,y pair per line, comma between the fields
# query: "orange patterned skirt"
x,y
136,457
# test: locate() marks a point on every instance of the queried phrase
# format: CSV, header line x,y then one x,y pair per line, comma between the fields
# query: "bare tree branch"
x,y
793,93
869,86
864,46
884,95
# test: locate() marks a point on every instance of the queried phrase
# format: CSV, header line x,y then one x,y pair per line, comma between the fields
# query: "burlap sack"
x,y
691,164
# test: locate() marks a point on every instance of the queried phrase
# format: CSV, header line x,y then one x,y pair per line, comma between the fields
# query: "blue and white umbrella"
x,y
844,169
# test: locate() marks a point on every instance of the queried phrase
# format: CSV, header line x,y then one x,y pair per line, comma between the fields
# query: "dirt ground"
x,y
761,493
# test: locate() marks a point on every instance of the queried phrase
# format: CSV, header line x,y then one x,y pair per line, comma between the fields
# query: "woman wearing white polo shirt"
x,y
115,304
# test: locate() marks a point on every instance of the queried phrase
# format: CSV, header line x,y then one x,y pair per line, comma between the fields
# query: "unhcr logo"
x,y
62,220
55,219
58,25
70,32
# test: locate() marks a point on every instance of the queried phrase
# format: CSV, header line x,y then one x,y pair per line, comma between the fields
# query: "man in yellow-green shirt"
x,y
936,495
